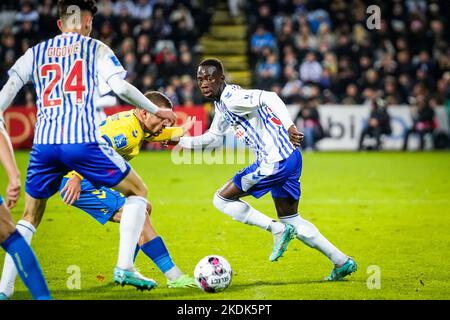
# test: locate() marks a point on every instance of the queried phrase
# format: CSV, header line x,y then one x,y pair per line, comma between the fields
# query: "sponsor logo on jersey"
x,y
120,141
273,118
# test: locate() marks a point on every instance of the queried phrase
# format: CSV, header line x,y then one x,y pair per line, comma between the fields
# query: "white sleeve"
x,y
274,102
242,101
9,92
131,94
212,138
23,67
108,65
19,75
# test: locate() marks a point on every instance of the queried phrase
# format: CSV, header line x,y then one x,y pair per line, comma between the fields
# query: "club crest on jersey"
x,y
120,141
273,118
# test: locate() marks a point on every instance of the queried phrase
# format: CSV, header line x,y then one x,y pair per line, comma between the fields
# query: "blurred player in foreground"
x,y
261,120
65,71
125,132
10,239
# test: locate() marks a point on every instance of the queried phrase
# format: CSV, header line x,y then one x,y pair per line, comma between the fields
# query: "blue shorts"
x,y
100,203
97,162
1,200
282,178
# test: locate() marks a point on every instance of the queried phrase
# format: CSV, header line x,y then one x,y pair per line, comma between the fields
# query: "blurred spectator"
x,y
423,122
143,9
268,72
262,39
188,93
122,6
378,124
27,13
308,120
352,96
291,92
310,69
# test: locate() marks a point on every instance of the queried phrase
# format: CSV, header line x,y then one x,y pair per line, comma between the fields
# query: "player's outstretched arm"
x,y
9,91
9,162
19,75
212,138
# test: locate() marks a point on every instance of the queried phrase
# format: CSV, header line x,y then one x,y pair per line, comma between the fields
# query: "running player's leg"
x,y
104,167
43,177
228,200
286,198
21,255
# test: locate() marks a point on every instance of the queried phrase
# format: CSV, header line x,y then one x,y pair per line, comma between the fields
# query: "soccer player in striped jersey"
x,y
10,239
260,119
66,71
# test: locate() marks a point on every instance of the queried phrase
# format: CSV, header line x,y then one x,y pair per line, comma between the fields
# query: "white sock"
x,y
241,211
174,273
131,224
9,273
310,235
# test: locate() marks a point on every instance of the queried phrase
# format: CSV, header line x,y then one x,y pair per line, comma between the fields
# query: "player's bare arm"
x,y
9,162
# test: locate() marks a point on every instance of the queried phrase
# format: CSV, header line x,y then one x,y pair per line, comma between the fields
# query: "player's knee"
x,y
219,202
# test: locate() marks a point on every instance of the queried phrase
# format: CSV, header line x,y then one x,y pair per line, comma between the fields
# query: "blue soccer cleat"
x,y
3,296
282,242
339,273
133,278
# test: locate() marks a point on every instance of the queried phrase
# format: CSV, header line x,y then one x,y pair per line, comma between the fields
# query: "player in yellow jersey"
x,y
126,132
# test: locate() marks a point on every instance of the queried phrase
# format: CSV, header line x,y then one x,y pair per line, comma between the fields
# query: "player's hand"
x,y
295,136
72,190
188,124
167,114
13,192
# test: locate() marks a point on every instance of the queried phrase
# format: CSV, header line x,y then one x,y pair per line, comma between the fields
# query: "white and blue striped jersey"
x,y
67,72
252,122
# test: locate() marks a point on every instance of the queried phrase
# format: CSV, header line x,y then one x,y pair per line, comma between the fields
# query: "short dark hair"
x,y
158,98
84,5
213,62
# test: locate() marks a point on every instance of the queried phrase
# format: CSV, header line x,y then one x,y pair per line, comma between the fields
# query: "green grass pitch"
x,y
390,210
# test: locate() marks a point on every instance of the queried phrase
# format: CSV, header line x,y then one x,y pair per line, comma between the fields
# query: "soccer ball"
x,y
213,274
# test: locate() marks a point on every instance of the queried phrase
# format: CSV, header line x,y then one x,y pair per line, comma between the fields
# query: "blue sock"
x,y
136,251
156,250
27,265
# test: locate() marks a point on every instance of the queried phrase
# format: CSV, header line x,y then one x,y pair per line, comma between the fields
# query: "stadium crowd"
x,y
302,48
156,40
323,52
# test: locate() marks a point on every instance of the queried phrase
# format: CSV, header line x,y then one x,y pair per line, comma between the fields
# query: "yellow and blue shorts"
x,y
100,203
